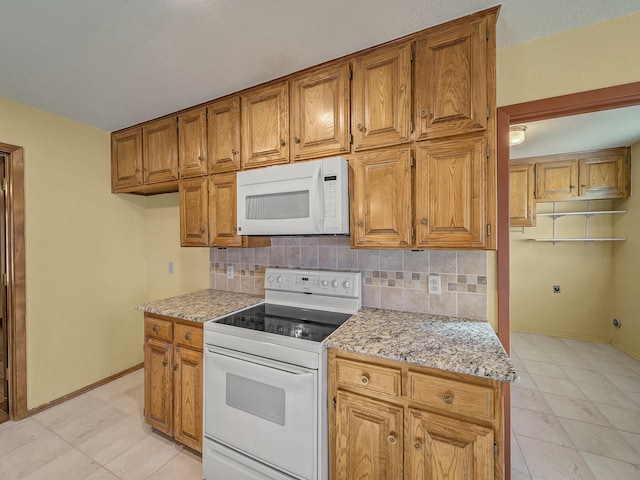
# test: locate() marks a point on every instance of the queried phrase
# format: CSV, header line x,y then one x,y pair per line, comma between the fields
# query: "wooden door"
x,y
187,380
126,158
194,213
442,448
158,385
605,175
224,135
160,150
381,203
451,193
381,113
522,204
222,210
369,439
452,80
265,126
192,143
557,180
320,113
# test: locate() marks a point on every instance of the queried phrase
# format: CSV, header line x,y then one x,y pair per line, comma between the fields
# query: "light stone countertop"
x,y
447,343
201,306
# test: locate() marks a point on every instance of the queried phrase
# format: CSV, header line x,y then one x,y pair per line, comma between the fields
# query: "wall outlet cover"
x,y
229,271
434,285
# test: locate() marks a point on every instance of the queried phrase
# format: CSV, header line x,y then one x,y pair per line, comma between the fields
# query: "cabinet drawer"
x,y
451,396
188,336
368,377
158,328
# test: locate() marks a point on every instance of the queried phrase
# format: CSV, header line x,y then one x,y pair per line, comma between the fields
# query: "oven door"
x,y
263,408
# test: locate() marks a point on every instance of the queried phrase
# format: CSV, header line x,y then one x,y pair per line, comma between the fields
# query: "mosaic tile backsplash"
x,y
392,279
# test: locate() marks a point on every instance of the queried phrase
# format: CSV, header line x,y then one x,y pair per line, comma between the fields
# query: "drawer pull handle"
x,y
417,445
448,399
155,329
391,439
364,379
187,337
165,363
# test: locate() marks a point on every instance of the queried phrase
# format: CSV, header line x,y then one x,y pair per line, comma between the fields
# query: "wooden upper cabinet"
x,y
522,203
192,143
381,203
160,148
452,80
224,135
265,126
381,108
222,211
557,180
320,113
451,193
605,174
194,210
126,158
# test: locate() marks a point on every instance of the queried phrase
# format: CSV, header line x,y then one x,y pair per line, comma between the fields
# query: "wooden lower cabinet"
x,y
173,376
391,420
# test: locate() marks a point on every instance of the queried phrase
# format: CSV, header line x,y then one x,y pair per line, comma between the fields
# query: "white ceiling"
x,y
114,63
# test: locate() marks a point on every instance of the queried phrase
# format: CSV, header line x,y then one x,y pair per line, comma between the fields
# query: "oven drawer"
x,y
158,328
188,336
370,378
451,396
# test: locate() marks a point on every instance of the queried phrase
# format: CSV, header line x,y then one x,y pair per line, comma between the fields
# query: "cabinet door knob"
x,y
360,223
424,221
423,113
360,127
175,367
200,158
572,186
583,185
233,152
187,337
392,439
296,139
417,445
155,329
448,399
364,379
165,363
282,143
201,229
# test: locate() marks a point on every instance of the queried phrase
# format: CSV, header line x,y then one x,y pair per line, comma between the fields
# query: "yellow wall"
x,y
91,256
626,266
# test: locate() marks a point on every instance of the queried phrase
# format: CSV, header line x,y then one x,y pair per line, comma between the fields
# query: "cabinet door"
x,y
320,113
451,193
522,204
160,148
194,211
369,439
381,203
187,380
222,210
158,385
451,81
265,126
192,142
224,135
382,97
439,448
605,176
557,180
126,158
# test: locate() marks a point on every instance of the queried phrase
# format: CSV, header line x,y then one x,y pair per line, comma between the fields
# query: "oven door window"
x,y
263,408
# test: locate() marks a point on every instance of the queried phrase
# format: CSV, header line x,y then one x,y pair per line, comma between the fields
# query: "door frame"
x,y
16,285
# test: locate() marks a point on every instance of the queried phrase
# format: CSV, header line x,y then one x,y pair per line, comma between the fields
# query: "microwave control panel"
x,y
335,191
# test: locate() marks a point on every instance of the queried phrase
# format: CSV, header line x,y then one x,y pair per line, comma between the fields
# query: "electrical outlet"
x,y
434,285
170,267
556,289
229,271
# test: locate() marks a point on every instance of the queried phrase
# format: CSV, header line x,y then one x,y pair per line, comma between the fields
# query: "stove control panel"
x,y
323,282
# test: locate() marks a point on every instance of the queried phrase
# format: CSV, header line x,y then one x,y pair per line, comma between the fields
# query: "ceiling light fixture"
x,y
516,134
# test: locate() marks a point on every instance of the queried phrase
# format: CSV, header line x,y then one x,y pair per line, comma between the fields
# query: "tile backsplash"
x,y
392,279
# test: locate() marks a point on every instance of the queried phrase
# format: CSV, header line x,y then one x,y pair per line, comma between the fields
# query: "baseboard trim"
x,y
624,349
84,390
561,335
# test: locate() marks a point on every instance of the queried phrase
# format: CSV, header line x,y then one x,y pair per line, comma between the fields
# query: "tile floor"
x,y
97,436
575,414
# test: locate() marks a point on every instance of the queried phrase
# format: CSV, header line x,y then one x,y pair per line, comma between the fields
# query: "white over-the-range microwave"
x,y
306,198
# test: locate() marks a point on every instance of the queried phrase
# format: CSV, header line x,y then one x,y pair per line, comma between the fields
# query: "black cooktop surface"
x,y
307,324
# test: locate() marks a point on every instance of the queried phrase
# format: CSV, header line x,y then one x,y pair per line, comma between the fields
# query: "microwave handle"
x,y
316,192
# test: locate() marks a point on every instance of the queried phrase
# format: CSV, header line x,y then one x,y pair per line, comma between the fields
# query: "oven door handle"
x,y
233,355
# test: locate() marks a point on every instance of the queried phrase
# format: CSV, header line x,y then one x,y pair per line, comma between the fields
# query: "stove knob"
x,y
335,283
280,329
279,279
325,283
346,284
270,278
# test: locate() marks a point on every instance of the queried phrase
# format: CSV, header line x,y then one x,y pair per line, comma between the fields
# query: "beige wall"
x,y
626,266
